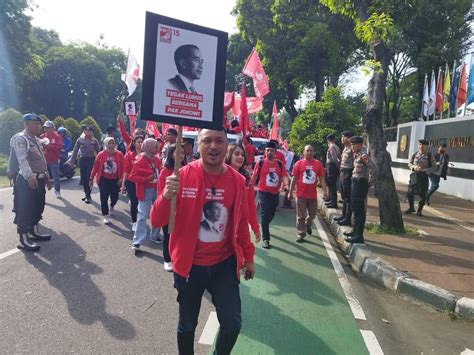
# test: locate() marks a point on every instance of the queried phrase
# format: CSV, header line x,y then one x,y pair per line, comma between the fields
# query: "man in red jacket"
x,y
52,151
210,243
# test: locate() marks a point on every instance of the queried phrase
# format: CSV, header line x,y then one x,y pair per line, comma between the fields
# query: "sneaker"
x,y
111,210
87,200
134,226
136,246
168,266
299,239
266,244
410,210
106,220
84,198
57,193
309,230
156,240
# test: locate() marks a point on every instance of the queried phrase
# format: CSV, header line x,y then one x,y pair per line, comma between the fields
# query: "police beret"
x,y
357,139
423,141
271,144
347,134
31,117
110,129
330,137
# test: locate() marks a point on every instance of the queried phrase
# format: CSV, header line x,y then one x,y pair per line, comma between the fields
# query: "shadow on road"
x,y
70,273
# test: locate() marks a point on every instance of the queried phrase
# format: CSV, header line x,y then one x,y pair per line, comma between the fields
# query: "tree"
x,y
59,122
95,127
375,27
11,122
333,114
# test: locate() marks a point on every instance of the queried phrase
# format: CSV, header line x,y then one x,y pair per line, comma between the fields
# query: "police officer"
x,y
359,188
31,180
421,164
347,165
333,161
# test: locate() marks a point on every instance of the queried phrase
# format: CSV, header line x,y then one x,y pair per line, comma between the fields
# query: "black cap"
x,y
357,139
330,137
348,134
110,129
423,141
188,140
85,127
172,131
271,144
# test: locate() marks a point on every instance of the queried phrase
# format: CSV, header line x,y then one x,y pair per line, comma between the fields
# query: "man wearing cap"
x,y
359,188
347,165
333,161
89,147
28,162
53,145
421,164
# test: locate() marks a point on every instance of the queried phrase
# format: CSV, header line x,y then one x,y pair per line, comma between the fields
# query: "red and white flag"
x,y
244,114
151,128
164,128
254,69
131,75
276,125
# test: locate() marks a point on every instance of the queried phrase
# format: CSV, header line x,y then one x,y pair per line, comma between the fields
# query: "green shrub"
x,y
11,122
3,164
73,127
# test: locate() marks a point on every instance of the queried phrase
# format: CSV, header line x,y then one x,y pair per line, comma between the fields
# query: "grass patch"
x,y
4,182
375,228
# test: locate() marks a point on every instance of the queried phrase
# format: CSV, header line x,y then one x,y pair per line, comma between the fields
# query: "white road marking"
x,y
371,342
8,253
210,330
467,351
341,275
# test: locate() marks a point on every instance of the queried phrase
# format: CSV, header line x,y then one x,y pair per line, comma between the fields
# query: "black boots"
x,y
26,243
35,234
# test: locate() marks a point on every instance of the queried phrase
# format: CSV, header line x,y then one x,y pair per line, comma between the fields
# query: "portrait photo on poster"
x,y
130,108
184,73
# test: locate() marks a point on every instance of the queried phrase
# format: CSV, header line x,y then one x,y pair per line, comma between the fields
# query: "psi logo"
x,y
165,35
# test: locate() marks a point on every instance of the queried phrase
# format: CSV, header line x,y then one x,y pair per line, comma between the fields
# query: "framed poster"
x,y
130,108
183,73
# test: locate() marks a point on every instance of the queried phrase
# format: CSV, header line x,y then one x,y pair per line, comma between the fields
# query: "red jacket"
x,y
253,221
140,173
184,238
129,161
52,151
99,162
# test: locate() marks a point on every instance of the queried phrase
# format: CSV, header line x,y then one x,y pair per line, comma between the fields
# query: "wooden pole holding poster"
x,y
177,166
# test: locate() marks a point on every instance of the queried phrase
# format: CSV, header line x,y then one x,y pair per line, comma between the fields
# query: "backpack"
x,y
13,165
260,164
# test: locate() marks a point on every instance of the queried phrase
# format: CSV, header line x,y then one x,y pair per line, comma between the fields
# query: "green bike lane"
x,y
296,305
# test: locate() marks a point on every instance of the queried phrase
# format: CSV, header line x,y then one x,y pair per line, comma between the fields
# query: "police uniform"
x,y
29,203
419,179
359,189
347,165
333,159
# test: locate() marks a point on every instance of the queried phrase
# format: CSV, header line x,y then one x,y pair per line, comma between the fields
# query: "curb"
x,y
384,274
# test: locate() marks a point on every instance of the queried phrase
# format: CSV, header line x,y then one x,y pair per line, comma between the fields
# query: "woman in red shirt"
x,y
145,174
168,170
236,158
133,153
108,168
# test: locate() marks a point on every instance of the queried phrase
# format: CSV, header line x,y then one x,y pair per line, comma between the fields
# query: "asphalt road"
x,y
86,292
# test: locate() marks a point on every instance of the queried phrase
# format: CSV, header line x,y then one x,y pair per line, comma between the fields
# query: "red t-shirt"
x,y
214,244
250,152
110,167
155,166
281,157
305,172
270,176
129,160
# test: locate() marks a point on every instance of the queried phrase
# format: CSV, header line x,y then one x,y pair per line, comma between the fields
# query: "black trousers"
x,y
85,166
346,182
132,195
28,204
221,282
422,179
166,244
359,189
108,188
268,205
331,180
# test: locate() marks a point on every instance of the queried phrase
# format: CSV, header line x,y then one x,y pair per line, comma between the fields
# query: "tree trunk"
x,y
290,103
389,205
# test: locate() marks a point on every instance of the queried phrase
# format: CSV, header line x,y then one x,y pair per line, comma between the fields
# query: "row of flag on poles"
x,y
446,94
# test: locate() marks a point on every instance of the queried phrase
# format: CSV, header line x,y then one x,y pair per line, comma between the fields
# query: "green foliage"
x,y
11,122
73,128
333,114
59,122
95,127
376,228
3,164
378,27
237,52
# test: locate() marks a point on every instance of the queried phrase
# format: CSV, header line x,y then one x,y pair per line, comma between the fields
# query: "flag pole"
x,y
452,85
423,96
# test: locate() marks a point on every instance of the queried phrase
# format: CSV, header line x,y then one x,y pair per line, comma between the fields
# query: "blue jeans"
x,y
434,180
143,213
54,171
222,283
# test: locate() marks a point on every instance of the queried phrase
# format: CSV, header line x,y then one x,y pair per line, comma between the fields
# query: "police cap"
x,y
347,134
31,117
330,137
423,141
357,139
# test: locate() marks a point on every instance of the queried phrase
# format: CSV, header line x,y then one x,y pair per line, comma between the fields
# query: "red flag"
x,y
254,105
254,69
275,127
133,123
462,89
244,114
228,103
151,128
439,93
